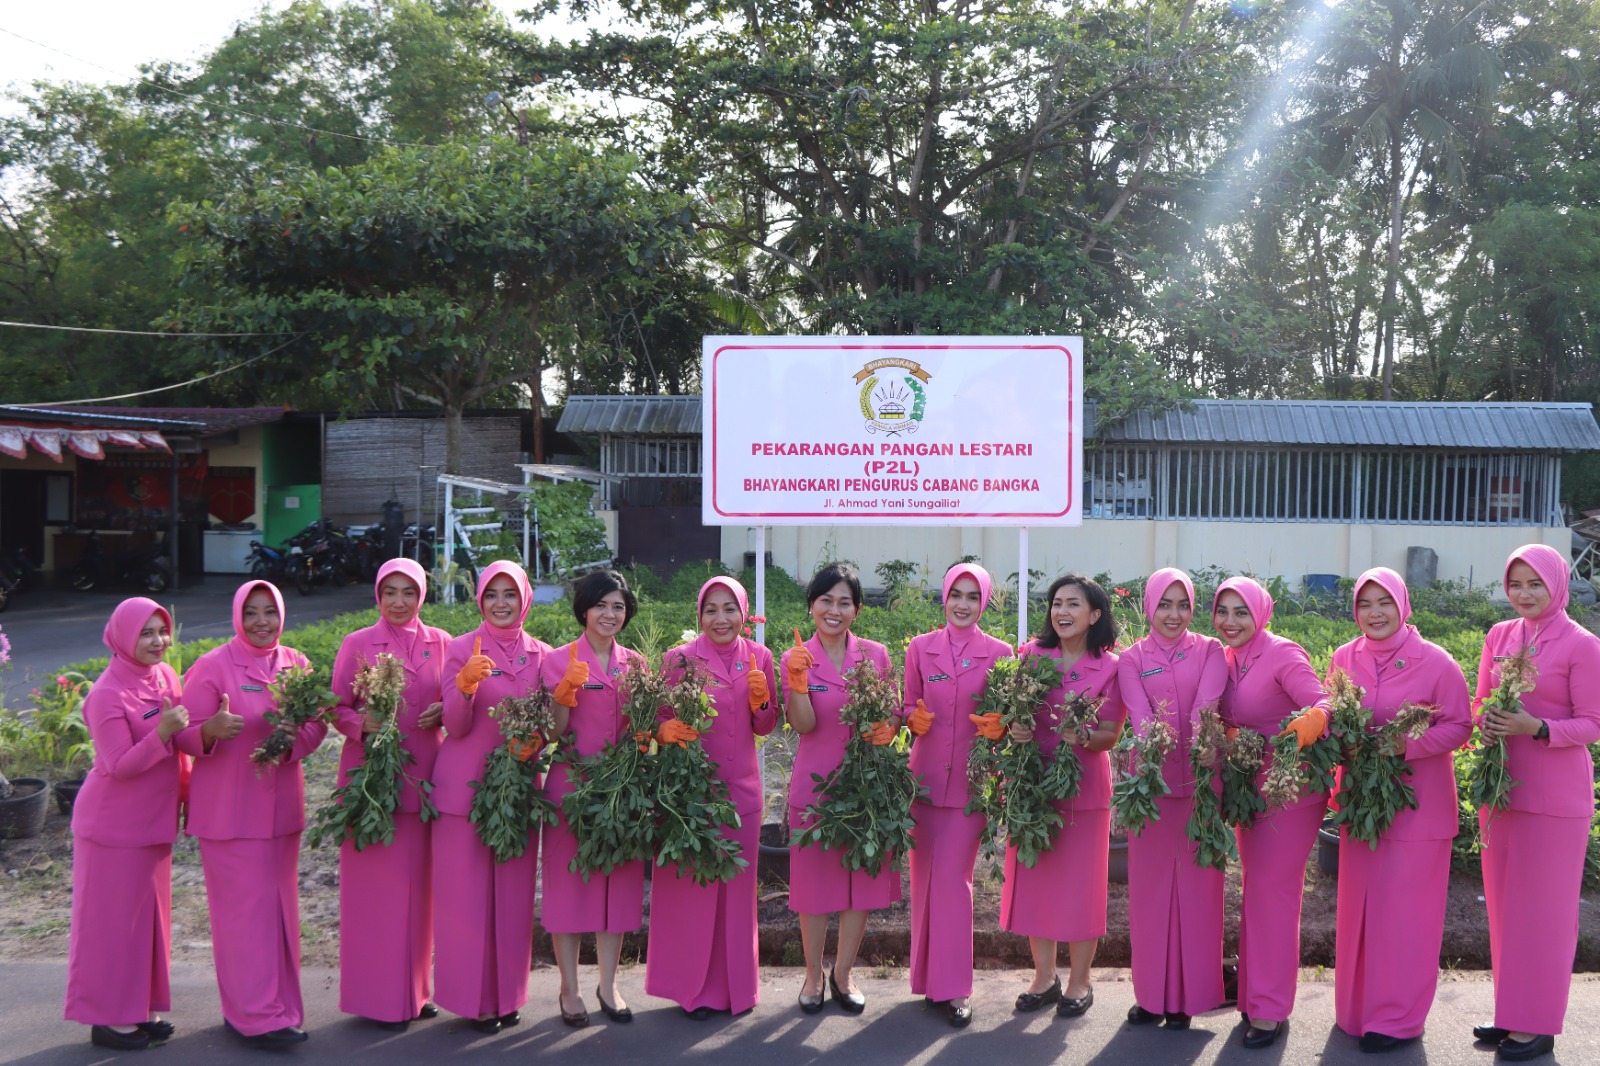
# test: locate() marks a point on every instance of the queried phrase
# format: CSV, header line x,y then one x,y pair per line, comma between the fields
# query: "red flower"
x,y
63,680
1124,593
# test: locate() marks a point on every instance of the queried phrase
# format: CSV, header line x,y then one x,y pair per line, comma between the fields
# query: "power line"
x,y
228,108
166,388
134,332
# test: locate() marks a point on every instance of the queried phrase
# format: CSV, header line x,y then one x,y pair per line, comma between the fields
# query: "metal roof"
x,y
94,416
664,416
1355,423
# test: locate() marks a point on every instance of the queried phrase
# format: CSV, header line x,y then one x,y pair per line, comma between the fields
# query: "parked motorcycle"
x,y
268,564
17,573
147,567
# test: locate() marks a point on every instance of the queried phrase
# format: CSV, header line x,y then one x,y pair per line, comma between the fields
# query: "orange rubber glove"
x,y
673,731
988,725
1307,726
880,734
643,739
577,673
800,662
526,750
474,670
759,692
920,720
1231,733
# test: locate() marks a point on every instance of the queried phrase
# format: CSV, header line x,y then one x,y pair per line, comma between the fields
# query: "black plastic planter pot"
x,y
22,814
67,794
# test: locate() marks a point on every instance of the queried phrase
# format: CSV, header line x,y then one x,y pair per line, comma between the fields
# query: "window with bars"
x,y
1417,487
657,471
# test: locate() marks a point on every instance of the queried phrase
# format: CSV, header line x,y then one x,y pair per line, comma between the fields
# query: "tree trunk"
x,y
1392,278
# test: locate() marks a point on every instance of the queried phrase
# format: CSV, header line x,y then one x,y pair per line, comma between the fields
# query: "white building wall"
x,y
1129,549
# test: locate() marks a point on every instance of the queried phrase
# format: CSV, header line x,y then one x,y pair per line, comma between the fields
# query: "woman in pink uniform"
x,y
1175,908
123,826
1386,964
1270,679
946,671
1062,897
248,818
483,910
588,678
703,937
1534,851
816,690
386,891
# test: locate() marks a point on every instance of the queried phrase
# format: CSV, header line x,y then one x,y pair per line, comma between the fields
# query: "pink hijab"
x,y
978,574
1258,601
1154,589
524,593
1552,570
239,597
1391,582
739,595
405,636
122,638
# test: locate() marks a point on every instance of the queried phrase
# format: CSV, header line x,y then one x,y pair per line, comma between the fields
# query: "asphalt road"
x,y
49,628
897,1030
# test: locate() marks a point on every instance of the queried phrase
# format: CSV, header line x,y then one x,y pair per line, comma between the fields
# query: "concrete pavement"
x,y
49,628
897,1030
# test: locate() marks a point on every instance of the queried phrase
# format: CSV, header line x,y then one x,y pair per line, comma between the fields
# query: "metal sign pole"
x,y
1022,585
761,583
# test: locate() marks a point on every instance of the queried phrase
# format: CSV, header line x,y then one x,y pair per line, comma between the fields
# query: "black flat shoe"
x,y
1137,1015
510,1018
1028,1002
849,1002
1489,1034
1071,1008
393,1027
1230,983
625,1014
1177,1020
1522,1050
490,1025
1260,1038
428,1011
276,1040
105,1036
159,1029
577,1019
699,1014
1373,1043
960,1017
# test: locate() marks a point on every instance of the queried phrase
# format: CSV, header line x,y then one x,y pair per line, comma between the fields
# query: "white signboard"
x,y
893,431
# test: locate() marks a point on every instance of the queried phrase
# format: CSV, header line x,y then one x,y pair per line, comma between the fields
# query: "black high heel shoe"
x,y
616,1014
849,1002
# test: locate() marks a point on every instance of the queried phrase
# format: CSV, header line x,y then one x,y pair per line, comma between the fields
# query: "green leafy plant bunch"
x,y
1209,828
301,696
1372,785
1137,763
1489,781
692,801
507,803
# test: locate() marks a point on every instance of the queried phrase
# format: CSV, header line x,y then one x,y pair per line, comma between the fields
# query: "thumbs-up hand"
x,y
799,663
173,720
577,674
759,693
223,725
920,720
473,672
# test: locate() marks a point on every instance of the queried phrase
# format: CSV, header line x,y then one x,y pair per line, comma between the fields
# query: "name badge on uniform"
x,y
151,713
495,672
1149,673
593,685
252,688
816,688
940,677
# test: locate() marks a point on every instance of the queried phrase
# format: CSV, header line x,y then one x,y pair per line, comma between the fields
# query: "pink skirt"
x,y
1272,860
703,939
1391,925
120,950
942,859
1175,918
1062,897
1532,877
386,924
820,883
253,893
483,922
605,903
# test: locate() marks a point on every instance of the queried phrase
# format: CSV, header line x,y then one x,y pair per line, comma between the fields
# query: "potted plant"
x,y
59,738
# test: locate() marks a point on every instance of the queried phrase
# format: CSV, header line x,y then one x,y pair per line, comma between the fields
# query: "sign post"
x,y
901,431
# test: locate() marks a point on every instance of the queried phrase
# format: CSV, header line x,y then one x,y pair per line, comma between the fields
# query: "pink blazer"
x,y
731,740
231,797
822,750
1423,674
598,719
1271,679
1093,677
950,686
470,734
130,797
1555,776
424,686
1184,679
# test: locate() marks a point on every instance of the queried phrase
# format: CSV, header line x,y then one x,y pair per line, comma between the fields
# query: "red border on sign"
x,y
1071,415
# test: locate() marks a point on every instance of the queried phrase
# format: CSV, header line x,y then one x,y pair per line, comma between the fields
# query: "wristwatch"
x,y
1544,730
